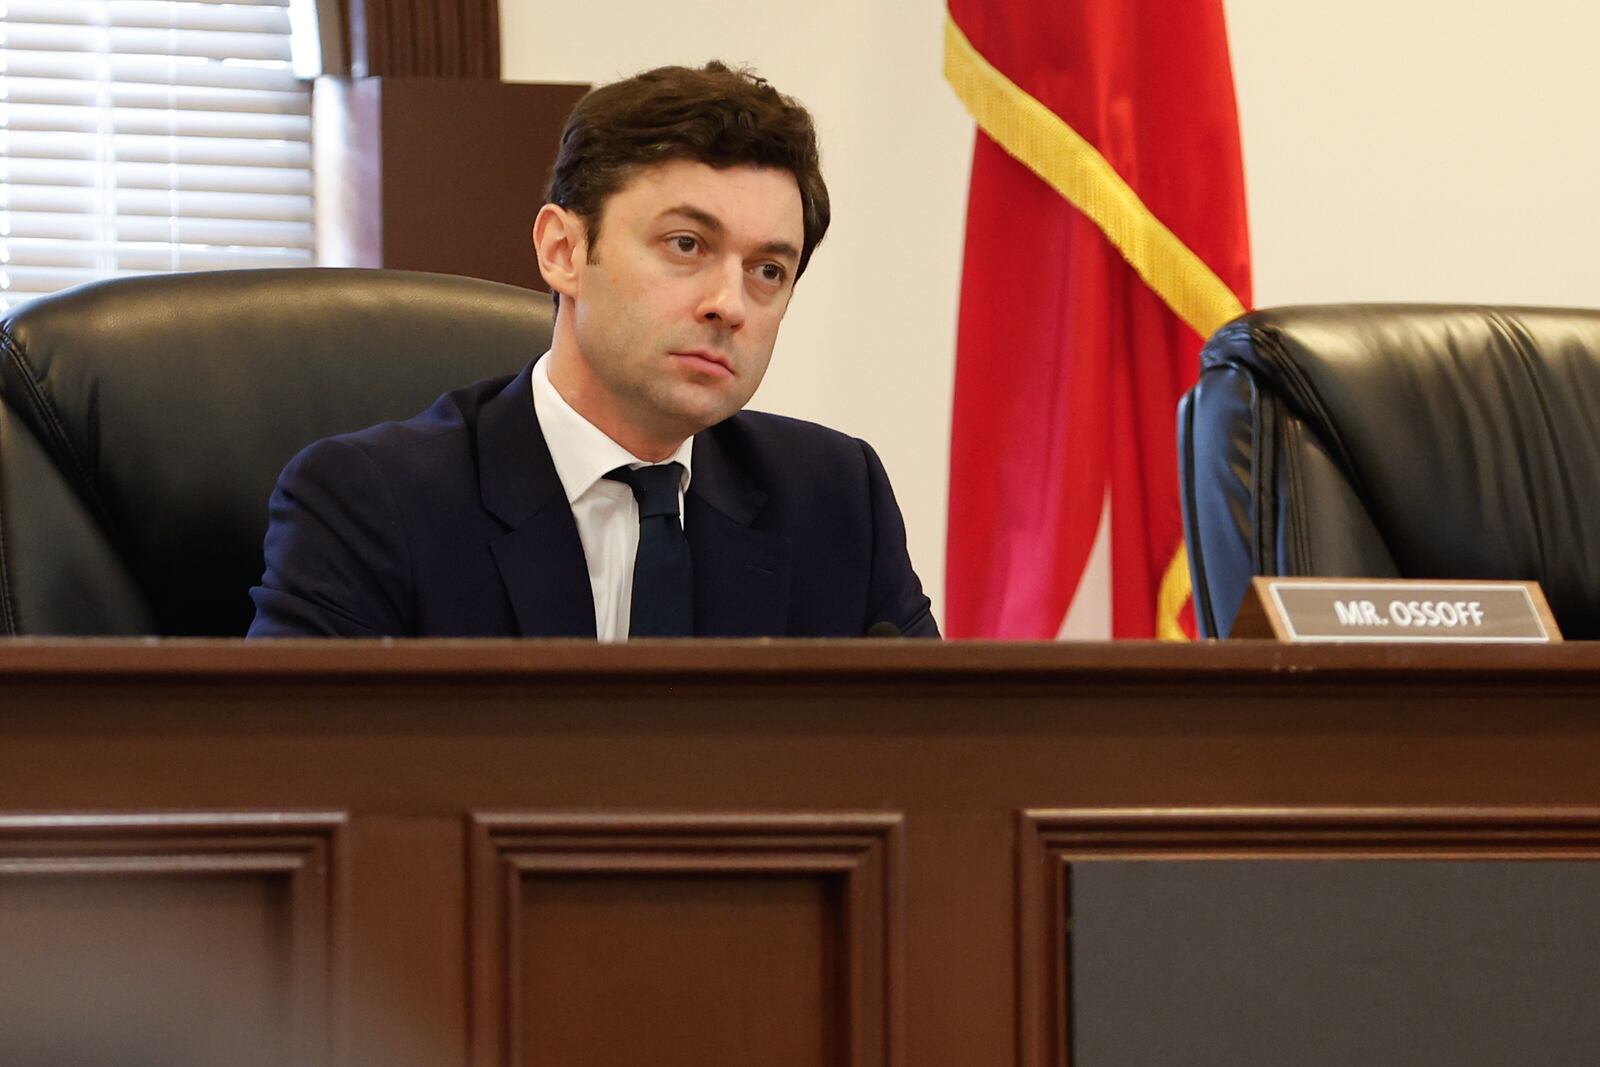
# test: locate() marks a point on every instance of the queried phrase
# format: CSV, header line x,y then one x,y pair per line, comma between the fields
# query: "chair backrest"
x,y
143,423
1396,441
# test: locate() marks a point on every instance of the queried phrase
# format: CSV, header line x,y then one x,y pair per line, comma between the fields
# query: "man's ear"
x,y
560,239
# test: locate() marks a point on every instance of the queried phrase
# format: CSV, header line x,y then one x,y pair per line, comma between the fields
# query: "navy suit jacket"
x,y
454,523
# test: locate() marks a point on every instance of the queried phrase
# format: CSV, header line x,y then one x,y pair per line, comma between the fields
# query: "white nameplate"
x,y
1450,612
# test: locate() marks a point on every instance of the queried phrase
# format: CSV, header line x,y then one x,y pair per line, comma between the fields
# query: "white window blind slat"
x,y
246,233
46,145
199,44
58,91
286,181
170,229
193,257
149,135
168,122
82,255
254,206
154,70
137,148
227,74
52,199
84,92
40,252
229,17
45,199
201,99
24,171
45,10
58,226
81,12
216,151
166,42
93,11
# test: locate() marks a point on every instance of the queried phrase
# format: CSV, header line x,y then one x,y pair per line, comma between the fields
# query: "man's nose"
x,y
723,303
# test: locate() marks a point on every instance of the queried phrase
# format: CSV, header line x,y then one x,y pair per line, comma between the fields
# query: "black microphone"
x,y
883,628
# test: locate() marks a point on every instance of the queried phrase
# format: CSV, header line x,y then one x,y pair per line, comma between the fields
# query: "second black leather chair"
x,y
1396,441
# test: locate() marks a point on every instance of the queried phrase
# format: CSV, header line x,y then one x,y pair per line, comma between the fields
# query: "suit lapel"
x,y
741,574
540,557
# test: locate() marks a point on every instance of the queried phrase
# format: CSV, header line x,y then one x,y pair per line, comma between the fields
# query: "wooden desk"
x,y
714,853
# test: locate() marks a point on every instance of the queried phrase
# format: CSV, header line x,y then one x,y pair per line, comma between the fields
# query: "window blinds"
x,y
149,135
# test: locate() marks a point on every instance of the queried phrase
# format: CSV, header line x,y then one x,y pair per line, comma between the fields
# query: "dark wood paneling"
x,y
408,903
1049,843
424,38
679,971
1072,676
435,174
953,740
170,937
465,165
688,939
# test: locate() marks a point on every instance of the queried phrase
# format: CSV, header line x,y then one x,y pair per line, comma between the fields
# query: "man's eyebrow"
x,y
694,214
780,248
714,224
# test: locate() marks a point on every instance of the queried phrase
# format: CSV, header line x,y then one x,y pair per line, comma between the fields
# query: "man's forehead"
x,y
737,196
672,171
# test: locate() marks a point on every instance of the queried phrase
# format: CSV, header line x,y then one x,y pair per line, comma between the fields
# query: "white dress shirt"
x,y
606,512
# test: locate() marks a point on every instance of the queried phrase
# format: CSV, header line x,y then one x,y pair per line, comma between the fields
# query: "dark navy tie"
x,y
663,574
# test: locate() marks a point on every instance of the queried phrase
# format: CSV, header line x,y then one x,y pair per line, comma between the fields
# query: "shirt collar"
x,y
580,450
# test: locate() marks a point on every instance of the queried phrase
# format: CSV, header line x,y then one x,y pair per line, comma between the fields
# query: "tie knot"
x,y
655,488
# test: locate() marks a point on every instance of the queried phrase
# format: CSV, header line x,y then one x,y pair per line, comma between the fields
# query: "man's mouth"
x,y
702,361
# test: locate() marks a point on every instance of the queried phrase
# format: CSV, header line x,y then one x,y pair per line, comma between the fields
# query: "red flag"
x,y
1105,239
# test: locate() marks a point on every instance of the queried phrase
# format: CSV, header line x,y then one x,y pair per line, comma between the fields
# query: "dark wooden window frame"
x,y
411,38
424,158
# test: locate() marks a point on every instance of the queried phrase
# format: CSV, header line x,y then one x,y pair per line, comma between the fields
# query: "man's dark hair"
x,y
714,115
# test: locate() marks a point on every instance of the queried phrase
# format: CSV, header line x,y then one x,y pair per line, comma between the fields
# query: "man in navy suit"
x,y
615,487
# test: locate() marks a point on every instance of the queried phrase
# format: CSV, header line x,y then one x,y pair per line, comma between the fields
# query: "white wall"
x,y
1421,149
1397,150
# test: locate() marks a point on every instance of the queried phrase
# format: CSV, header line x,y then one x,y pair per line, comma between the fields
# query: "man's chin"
x,y
691,415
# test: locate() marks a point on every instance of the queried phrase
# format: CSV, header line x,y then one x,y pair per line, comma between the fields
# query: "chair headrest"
x,y
171,402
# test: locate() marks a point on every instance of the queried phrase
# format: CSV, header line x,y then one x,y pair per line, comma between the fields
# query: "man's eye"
x,y
684,244
771,273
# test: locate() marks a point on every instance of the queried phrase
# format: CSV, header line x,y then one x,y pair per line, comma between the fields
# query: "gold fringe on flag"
x,y
1174,594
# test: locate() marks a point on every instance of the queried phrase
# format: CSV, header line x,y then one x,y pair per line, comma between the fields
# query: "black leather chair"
x,y
1396,441
143,423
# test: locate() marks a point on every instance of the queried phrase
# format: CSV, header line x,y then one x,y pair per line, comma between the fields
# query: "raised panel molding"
x,y
183,877
852,860
1049,841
